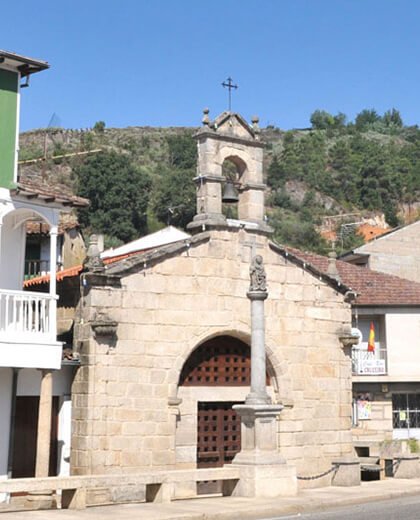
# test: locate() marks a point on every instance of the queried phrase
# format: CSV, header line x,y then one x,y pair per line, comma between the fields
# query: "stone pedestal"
x,y
347,473
408,467
266,481
264,472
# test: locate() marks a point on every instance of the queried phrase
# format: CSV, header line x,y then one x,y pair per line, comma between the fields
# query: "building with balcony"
x,y
71,248
386,380
31,375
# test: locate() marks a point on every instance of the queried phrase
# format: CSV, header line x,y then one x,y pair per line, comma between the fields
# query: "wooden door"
x,y
218,439
26,425
218,434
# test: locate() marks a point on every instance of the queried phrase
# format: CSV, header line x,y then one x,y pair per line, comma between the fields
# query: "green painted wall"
x,y
8,114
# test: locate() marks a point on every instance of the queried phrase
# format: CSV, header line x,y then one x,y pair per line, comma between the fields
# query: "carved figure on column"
x,y
257,275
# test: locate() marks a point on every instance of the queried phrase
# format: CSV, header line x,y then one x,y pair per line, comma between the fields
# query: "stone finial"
x,y
257,275
332,266
206,119
93,261
256,128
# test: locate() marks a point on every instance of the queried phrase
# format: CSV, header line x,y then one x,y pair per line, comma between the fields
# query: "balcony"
x,y
369,363
38,267
28,330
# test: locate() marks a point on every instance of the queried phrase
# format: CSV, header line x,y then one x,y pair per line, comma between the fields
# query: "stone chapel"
x,y
164,337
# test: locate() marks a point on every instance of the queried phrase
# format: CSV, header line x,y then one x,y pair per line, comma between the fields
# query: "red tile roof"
x,y
74,271
42,228
373,287
60,194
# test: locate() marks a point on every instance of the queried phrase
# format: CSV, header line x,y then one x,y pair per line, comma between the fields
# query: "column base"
x,y
266,480
264,472
256,458
254,399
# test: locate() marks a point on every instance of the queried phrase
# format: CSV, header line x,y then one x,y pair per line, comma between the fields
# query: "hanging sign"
x,y
364,407
372,366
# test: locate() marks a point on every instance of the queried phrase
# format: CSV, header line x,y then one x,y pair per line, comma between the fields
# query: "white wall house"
x,y
34,387
396,252
386,381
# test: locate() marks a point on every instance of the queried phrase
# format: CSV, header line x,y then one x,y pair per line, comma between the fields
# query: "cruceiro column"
x,y
264,472
257,294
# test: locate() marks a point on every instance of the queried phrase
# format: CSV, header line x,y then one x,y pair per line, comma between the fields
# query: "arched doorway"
x,y
214,378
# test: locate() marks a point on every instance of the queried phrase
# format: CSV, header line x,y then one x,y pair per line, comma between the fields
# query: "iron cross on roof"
x,y
230,86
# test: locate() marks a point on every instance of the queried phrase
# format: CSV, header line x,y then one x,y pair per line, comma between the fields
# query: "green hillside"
x,y
141,179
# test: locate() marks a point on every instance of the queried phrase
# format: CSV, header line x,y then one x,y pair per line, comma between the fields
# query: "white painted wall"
x,y
29,381
403,346
64,436
13,246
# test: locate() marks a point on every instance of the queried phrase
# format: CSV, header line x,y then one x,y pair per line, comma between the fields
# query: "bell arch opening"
x,y
233,169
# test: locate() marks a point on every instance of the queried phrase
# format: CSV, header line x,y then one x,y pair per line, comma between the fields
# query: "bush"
x,y
99,127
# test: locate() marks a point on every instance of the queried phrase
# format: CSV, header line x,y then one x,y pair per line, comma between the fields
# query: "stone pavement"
x,y
233,508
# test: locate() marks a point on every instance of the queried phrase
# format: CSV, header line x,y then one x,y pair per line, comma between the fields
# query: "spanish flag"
x,y
371,343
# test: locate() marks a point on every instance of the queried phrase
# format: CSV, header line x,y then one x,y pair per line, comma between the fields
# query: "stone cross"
x,y
257,294
230,86
264,472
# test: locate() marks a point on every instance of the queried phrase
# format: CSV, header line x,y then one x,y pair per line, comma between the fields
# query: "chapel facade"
x,y
164,337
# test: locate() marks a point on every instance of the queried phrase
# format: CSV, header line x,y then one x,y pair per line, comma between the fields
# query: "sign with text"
x,y
372,366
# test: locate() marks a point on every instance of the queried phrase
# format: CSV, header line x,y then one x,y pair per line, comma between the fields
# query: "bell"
x,y
230,194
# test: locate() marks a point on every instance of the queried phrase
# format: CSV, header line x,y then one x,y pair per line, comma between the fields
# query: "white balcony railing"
x,y
369,363
26,316
39,268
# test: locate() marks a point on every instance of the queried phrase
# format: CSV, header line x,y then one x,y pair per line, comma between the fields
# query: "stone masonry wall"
x,y
397,253
126,397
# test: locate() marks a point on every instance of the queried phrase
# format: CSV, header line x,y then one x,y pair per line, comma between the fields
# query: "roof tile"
x,y
373,287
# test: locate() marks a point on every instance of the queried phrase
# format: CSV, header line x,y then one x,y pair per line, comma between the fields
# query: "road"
x,y
397,509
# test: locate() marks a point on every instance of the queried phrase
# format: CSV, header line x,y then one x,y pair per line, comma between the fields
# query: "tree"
x,y
390,212
321,120
182,151
275,173
340,120
290,230
366,118
118,192
99,127
392,118
174,197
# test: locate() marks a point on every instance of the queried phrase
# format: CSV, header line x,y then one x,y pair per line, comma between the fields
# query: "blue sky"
x,y
159,62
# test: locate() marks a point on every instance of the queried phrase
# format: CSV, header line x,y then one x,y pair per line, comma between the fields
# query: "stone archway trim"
x,y
277,369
